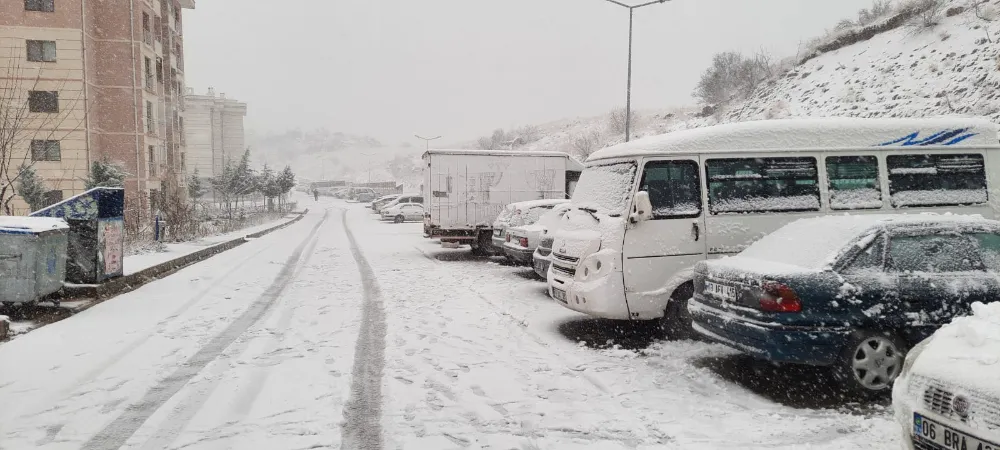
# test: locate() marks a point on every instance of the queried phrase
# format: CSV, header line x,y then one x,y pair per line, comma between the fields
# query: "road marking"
x,y
118,432
362,428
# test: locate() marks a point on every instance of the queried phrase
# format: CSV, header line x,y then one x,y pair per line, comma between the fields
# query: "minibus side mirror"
x,y
642,208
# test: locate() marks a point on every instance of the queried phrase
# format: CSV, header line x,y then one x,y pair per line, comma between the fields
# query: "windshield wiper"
x,y
591,211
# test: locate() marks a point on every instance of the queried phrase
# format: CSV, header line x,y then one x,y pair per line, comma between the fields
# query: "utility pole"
x,y
427,141
628,89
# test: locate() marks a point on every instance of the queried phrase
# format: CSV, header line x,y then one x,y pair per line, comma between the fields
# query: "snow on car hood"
x,y
582,234
966,352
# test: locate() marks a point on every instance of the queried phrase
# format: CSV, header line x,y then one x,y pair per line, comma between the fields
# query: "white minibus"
x,y
644,212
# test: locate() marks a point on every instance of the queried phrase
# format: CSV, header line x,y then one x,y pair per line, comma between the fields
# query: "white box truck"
x,y
465,190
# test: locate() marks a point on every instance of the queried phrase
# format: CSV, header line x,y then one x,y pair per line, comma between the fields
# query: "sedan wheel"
x,y
872,362
399,219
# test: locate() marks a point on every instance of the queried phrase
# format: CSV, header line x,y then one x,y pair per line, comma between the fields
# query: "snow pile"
x,y
31,224
966,351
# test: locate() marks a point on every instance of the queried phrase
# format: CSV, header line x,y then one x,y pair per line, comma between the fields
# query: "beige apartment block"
x,y
104,79
214,132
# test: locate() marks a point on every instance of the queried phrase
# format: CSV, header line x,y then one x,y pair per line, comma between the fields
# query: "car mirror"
x,y
642,208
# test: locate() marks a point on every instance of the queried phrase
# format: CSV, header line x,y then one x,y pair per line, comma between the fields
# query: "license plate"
x,y
927,430
559,294
538,267
721,291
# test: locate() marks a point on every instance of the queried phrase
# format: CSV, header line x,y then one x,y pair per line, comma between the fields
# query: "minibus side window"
x,y
853,182
674,189
936,180
756,185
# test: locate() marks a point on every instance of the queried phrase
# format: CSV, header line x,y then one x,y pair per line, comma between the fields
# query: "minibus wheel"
x,y
676,321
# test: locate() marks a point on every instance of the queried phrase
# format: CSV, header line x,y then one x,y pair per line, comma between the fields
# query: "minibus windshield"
x,y
605,188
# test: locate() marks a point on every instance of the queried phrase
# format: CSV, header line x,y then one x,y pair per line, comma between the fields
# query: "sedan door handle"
x,y
695,231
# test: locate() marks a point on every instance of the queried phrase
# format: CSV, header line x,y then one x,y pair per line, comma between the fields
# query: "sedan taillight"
x,y
777,297
523,241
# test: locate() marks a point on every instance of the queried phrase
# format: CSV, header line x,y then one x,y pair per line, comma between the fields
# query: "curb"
x,y
131,282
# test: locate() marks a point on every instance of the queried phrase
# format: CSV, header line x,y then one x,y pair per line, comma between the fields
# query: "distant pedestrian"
x,y
316,194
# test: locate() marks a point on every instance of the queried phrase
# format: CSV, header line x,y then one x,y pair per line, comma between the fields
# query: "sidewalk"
x,y
143,261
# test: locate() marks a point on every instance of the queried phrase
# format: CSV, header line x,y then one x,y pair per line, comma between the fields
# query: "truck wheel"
x,y
399,219
676,321
481,246
870,362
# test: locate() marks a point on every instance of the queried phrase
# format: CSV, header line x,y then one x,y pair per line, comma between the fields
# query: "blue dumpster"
x,y
97,234
32,257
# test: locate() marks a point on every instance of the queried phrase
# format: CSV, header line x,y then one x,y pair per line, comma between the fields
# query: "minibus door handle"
x,y
695,231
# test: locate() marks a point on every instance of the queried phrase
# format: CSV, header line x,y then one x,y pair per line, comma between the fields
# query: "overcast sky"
x,y
460,68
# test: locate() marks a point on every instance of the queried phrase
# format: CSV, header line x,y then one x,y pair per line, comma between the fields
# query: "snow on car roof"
x,y
17,224
822,133
816,243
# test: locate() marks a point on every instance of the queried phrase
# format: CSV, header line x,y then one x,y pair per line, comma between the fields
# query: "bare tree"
x,y
616,120
733,75
925,12
987,13
19,126
587,143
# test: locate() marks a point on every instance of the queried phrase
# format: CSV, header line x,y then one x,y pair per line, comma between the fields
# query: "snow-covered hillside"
x,y
951,68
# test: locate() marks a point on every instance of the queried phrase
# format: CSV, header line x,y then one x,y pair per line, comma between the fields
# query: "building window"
x,y
40,5
150,123
159,70
45,150
183,166
53,197
43,101
42,51
148,67
758,185
158,27
152,160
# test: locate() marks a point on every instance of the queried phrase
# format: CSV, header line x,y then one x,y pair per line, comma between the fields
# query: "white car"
x,y
403,212
948,394
517,214
522,240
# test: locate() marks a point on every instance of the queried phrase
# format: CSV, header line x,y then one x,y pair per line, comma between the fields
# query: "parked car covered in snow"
x,y
523,239
384,200
363,194
948,393
849,292
403,212
519,214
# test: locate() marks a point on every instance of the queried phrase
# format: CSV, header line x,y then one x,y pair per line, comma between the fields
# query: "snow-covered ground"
x,y
343,332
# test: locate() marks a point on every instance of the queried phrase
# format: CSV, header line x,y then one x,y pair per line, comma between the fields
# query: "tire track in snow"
x,y
362,427
118,432
198,395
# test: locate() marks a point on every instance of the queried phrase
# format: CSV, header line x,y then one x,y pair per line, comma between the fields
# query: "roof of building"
x,y
813,134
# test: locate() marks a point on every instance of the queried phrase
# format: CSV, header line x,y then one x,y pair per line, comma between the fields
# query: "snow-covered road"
x,y
343,332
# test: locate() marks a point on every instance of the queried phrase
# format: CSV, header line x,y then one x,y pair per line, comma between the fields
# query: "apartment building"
x,y
214,132
101,79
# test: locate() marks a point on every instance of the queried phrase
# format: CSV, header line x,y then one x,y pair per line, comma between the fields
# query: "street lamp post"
x,y
427,141
628,89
